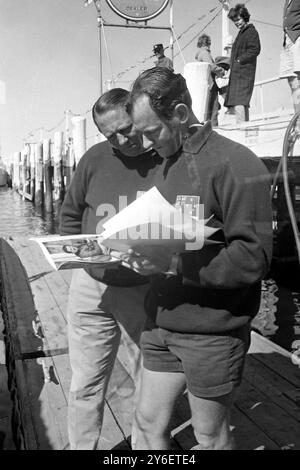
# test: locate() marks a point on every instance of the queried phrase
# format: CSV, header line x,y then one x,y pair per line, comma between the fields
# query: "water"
x,y
19,218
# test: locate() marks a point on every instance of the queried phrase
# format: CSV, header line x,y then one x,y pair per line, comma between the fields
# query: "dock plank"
x,y
277,424
275,386
17,302
49,318
276,358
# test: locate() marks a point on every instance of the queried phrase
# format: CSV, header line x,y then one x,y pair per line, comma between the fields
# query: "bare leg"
x,y
240,113
294,83
210,420
159,391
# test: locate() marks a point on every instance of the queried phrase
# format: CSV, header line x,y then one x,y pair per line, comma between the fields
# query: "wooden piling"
x,y
79,136
39,184
48,171
68,162
16,172
68,159
22,187
31,164
27,193
57,174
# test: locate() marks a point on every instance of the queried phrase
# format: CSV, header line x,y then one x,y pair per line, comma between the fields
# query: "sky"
x,y
49,58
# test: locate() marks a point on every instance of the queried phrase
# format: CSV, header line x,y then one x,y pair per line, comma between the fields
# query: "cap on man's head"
x,y
158,48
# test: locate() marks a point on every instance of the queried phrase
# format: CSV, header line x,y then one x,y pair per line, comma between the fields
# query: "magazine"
x,y
144,225
76,251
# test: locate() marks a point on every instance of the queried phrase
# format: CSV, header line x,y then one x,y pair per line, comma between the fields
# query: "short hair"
x,y
164,88
239,10
204,40
114,98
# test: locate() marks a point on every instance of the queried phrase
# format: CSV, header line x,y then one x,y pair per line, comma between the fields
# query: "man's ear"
x,y
181,112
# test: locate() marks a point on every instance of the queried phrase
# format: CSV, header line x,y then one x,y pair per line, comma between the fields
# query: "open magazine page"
x,y
76,251
151,221
147,224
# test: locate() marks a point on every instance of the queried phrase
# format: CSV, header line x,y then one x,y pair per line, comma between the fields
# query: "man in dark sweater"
x,y
107,178
198,330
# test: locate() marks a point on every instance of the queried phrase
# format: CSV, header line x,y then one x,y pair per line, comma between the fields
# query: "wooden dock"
x,y
33,301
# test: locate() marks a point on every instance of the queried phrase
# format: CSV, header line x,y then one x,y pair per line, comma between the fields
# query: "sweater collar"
x,y
194,143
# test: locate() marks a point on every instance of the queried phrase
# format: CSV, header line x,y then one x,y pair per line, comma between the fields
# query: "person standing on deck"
x,y
290,56
245,50
203,54
102,301
162,60
198,327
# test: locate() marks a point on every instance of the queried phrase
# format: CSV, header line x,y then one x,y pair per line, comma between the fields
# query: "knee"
x,y
146,423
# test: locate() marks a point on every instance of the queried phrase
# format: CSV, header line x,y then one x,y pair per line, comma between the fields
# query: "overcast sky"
x,y
49,56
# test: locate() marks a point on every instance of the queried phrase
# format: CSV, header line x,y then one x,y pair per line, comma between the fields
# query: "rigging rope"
x,y
178,45
106,49
203,29
120,74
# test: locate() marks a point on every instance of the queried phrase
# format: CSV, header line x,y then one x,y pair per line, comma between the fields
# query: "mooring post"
x,y
39,186
16,172
57,175
31,172
79,136
48,200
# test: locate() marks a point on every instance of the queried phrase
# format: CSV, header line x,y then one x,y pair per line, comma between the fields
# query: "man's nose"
x,y
147,143
122,139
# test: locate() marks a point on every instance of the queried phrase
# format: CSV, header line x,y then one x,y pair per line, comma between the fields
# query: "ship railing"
x,y
260,87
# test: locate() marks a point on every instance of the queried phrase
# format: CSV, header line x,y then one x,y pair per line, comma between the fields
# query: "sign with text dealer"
x,y
138,10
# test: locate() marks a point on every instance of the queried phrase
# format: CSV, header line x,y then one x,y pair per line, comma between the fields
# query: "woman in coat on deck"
x,y
245,50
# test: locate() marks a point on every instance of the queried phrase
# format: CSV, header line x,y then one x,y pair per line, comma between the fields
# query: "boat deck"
x,y
33,301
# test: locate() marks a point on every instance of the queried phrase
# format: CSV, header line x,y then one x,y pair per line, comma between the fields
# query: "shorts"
x,y
212,363
290,58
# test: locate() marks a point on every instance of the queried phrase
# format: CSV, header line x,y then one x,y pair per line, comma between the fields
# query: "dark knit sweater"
x,y
219,286
101,177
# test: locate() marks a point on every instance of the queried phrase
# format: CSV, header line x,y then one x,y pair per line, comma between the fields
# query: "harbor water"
x,y
18,217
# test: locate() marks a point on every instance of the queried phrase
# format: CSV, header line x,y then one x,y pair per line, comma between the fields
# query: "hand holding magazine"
x,y
148,226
